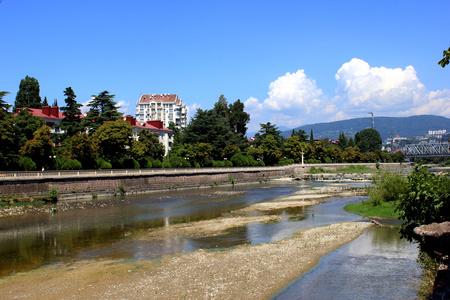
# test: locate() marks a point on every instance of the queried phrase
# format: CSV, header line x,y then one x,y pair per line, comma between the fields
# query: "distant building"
x,y
167,108
165,135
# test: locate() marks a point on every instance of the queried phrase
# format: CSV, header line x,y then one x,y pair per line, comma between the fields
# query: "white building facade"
x,y
167,108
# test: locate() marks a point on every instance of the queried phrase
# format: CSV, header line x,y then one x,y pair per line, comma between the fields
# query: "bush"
x,y
71,164
146,163
387,186
425,200
166,164
239,160
228,164
196,165
103,164
156,163
53,195
27,164
129,163
218,163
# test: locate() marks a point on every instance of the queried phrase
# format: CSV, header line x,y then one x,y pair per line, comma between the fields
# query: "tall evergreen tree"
x,y
45,103
55,102
301,134
28,94
71,123
311,138
103,108
238,118
3,105
268,129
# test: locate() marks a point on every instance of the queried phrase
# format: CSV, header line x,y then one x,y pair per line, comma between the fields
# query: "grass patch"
x,y
349,169
385,210
353,169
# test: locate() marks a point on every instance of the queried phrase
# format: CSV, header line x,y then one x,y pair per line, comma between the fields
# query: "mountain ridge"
x,y
417,125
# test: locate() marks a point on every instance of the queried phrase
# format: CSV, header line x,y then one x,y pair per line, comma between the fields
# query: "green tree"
x,y
81,147
272,152
368,140
238,118
229,151
113,140
293,148
45,102
28,94
343,141
7,137
301,134
268,129
102,109
208,127
25,126
71,124
153,148
4,107
351,155
221,107
40,148
311,138
203,153
445,61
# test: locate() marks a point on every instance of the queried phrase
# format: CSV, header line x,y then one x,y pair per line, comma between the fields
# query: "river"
x,y
374,263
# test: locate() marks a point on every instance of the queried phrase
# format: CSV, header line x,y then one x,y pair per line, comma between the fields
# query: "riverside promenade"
x,y
76,184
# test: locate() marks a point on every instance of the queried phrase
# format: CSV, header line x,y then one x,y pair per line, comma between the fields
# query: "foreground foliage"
x,y
425,201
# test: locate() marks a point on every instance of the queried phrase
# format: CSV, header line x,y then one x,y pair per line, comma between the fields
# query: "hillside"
x,y
386,126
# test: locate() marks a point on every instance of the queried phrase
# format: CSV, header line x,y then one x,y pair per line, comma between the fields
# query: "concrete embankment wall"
x,y
109,181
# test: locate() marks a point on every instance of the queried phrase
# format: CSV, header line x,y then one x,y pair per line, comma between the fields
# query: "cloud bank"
x,y
295,99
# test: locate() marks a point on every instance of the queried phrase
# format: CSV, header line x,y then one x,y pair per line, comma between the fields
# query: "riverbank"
x,y
245,272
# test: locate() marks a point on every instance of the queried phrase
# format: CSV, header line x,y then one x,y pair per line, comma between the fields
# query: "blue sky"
x,y
291,62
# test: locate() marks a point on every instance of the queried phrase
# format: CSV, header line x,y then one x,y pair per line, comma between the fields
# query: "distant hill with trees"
x,y
386,126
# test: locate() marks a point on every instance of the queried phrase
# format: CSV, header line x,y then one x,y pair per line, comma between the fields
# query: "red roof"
x,y
159,98
46,112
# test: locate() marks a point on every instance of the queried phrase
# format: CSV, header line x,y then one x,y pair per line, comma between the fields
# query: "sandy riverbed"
x,y
246,272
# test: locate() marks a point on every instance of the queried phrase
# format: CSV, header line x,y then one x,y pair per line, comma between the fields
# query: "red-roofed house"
x,y
51,115
167,108
165,135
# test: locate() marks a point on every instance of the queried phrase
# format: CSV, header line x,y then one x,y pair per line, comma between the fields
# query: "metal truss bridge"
x,y
427,150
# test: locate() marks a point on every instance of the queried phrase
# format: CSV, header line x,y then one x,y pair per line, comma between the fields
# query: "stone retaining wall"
x,y
133,181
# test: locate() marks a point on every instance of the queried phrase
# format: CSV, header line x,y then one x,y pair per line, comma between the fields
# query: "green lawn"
x,y
386,210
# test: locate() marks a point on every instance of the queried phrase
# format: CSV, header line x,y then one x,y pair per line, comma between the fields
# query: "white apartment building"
x,y
167,108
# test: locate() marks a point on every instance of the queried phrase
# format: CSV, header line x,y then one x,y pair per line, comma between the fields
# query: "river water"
x,y
371,267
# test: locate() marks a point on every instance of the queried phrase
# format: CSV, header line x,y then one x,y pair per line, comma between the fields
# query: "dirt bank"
x,y
246,272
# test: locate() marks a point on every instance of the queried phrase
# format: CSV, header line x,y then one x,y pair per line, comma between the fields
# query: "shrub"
x,y
156,163
103,164
228,164
27,164
129,163
53,195
196,165
122,189
387,186
425,200
239,160
71,164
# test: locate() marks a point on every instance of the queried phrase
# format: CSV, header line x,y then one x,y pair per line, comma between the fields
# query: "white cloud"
x,y
294,92
123,107
192,109
295,100
378,89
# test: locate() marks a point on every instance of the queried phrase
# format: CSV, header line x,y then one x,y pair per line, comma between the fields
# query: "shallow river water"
x,y
378,261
